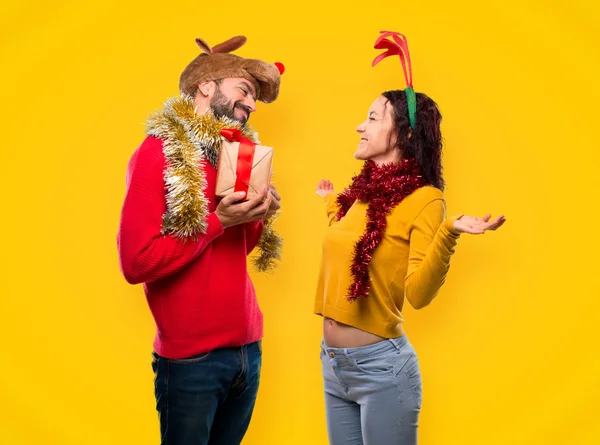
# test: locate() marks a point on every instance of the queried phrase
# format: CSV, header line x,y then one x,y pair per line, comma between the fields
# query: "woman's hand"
x,y
477,226
324,187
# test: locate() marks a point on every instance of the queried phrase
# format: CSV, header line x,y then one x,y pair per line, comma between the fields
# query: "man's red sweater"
x,y
199,292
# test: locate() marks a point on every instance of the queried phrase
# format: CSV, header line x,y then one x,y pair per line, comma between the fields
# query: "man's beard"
x,y
222,107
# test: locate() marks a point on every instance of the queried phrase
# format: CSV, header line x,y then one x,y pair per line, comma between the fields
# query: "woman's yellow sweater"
x,y
412,260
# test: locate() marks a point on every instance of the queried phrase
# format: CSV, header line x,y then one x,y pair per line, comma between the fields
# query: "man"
x,y
190,251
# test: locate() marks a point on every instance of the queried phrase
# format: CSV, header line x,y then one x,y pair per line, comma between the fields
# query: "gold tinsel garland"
x,y
188,141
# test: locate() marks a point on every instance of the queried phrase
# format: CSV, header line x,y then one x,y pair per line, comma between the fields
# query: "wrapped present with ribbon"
x,y
244,166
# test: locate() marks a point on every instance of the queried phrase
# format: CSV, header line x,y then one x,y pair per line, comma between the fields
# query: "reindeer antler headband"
x,y
398,46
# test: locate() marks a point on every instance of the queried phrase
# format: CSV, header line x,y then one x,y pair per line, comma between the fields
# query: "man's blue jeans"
x,y
207,399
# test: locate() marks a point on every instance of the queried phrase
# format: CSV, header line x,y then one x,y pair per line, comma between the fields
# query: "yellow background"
x,y
509,349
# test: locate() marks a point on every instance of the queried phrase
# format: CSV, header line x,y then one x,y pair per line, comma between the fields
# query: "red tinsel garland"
x,y
383,188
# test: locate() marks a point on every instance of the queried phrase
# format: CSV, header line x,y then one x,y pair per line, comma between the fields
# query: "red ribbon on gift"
x,y
244,160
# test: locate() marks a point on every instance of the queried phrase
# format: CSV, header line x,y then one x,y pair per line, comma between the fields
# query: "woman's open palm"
x,y
477,226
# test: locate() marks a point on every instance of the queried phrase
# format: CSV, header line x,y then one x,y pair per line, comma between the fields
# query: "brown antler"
x,y
203,45
229,45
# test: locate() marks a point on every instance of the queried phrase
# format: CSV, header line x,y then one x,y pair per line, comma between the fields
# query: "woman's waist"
x,y
341,335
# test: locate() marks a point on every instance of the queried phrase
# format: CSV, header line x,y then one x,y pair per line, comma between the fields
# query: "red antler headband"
x,y
399,47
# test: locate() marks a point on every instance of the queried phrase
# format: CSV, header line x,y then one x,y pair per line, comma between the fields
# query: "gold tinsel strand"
x,y
187,206
188,141
269,245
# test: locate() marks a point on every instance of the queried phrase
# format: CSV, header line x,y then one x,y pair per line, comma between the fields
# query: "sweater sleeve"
x,y
432,243
331,207
144,254
253,233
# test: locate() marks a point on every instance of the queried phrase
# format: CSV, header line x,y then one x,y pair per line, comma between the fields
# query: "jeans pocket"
x,y
190,360
413,374
379,364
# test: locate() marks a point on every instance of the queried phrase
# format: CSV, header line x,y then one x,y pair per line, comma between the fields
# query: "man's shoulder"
x,y
148,153
151,146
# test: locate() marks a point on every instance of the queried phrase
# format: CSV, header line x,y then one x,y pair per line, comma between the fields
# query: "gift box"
x,y
243,166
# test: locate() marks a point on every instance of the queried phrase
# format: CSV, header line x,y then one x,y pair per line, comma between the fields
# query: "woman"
x,y
388,239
